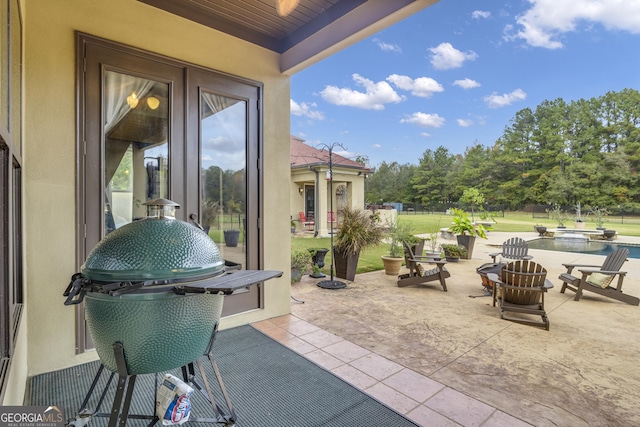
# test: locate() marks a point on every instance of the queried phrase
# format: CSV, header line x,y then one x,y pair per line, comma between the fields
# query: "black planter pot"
x,y
231,238
346,264
317,257
468,242
540,230
609,234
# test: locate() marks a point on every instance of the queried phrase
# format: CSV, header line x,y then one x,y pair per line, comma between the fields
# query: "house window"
x,y
11,265
155,127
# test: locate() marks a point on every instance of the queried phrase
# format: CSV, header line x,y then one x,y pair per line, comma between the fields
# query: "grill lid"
x,y
158,248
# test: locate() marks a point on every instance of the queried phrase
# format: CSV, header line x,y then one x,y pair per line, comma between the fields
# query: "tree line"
x,y
561,153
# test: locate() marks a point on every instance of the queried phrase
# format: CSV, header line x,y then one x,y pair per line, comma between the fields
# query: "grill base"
x,y
224,415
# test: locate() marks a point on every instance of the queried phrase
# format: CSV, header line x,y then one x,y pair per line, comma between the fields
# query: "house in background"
x,y
312,191
105,104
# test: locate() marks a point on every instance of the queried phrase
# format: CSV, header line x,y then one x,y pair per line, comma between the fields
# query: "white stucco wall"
x,y
50,151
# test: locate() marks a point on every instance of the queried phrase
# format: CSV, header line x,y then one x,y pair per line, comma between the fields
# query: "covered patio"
x,y
445,359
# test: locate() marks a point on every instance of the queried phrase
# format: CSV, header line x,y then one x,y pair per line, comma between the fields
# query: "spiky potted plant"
x,y
356,231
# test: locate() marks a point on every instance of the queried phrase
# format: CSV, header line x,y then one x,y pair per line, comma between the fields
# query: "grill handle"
x,y
194,218
75,291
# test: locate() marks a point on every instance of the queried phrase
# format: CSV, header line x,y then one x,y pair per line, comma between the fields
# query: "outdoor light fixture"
x,y
132,100
300,190
285,7
153,102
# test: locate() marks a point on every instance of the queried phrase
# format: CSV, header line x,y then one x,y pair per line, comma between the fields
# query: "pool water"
x,y
589,247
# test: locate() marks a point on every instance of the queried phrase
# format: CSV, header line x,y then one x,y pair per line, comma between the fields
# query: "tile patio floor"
x,y
444,359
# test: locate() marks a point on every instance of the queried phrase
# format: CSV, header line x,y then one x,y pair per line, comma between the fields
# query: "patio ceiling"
x,y
314,28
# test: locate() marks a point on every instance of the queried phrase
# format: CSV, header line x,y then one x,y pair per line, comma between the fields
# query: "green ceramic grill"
x,y
157,287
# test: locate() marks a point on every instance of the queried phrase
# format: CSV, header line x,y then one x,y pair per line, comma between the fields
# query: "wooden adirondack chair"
x,y
597,278
520,289
418,274
513,249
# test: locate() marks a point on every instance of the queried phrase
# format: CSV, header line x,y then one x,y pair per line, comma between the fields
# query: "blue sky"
x,y
457,72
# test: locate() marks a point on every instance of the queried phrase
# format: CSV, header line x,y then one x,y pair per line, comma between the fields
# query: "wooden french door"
x,y
152,127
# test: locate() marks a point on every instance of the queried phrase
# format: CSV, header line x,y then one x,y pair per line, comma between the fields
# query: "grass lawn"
x,y
420,224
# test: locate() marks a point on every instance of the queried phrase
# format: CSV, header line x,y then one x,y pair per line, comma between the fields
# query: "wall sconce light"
x,y
132,100
300,190
153,102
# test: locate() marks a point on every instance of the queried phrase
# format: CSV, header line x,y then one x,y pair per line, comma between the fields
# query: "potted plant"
x,y
300,264
579,223
540,229
396,235
232,236
599,214
466,232
557,214
432,241
453,252
210,210
293,227
355,232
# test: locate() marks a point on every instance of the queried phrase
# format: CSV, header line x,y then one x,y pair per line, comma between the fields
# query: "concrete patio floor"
x,y
584,371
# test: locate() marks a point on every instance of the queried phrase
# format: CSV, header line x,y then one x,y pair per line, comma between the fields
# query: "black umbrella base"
x,y
332,284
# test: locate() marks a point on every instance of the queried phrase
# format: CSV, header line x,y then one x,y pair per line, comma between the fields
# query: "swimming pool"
x,y
590,247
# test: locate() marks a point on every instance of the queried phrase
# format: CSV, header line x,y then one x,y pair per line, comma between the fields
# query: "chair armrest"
x,y
570,267
432,260
589,271
495,255
527,257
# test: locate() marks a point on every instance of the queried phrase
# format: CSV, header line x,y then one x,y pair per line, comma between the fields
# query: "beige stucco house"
x,y
105,104
314,194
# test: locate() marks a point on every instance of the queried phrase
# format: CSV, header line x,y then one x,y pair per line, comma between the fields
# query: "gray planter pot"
x,y
468,242
231,238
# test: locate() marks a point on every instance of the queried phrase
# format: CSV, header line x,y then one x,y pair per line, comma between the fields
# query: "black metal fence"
x,y
615,215
445,208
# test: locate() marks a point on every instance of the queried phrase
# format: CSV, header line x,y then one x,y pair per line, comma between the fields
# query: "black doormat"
x,y
269,385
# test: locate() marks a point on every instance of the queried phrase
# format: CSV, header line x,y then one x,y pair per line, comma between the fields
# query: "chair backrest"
x,y
331,217
303,217
515,248
523,274
408,256
614,261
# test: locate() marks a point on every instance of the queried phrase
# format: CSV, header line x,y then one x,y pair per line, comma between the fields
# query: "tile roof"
x,y
303,155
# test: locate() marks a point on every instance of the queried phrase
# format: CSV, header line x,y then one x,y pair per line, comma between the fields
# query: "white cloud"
x,y
387,47
497,101
477,14
425,134
465,123
424,120
466,83
423,87
374,97
306,110
377,146
546,20
445,56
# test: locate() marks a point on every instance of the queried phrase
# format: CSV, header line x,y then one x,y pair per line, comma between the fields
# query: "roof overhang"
x,y
313,31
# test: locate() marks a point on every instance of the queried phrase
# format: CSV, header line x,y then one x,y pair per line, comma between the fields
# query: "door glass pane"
x,y
136,146
223,140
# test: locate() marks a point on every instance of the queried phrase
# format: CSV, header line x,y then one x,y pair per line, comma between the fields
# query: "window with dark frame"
x,y
11,240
